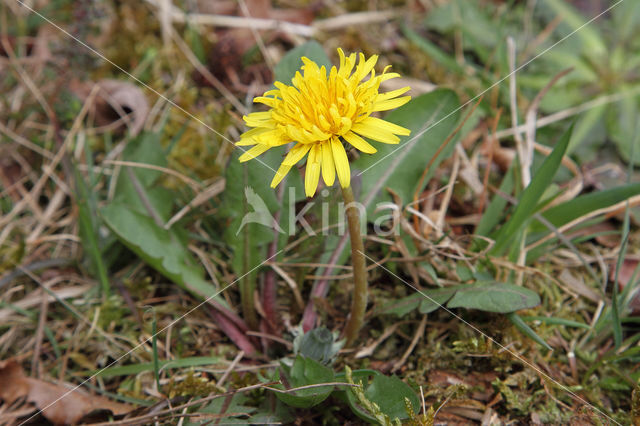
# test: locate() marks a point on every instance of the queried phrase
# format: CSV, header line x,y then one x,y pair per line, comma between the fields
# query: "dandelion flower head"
x,y
321,114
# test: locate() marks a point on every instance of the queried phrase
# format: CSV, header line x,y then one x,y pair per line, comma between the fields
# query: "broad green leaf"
x,y
400,167
144,149
388,393
434,298
530,198
403,306
426,301
493,296
306,371
164,250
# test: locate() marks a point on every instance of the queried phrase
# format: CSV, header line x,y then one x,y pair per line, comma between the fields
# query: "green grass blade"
x,y
494,212
555,321
154,346
615,311
87,231
525,329
531,196
128,370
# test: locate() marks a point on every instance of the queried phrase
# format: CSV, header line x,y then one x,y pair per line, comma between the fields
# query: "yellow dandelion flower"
x,y
321,113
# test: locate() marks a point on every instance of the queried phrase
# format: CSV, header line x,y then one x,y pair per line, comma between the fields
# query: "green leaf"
x,y
232,412
621,123
247,191
164,250
494,212
286,69
401,166
144,149
525,329
626,16
527,205
128,370
305,371
89,230
388,393
319,344
556,321
493,296
402,307
580,206
570,210
436,298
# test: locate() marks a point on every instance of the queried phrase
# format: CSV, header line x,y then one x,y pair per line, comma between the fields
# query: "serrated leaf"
x,y
493,296
164,250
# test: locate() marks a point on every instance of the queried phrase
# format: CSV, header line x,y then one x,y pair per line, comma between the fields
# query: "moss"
x,y
192,385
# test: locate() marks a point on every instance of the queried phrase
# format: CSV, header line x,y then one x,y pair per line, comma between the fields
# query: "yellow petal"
x,y
312,174
259,119
359,143
390,103
296,154
341,162
392,94
328,167
253,153
364,67
375,133
280,174
246,142
388,76
386,126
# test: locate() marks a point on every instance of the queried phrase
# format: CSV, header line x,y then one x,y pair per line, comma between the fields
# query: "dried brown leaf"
x,y
58,404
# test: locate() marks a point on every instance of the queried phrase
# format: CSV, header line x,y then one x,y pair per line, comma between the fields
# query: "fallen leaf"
x,y
60,403
115,100
627,270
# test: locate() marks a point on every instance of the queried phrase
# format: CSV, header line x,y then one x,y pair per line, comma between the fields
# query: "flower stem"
x,y
247,285
359,302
